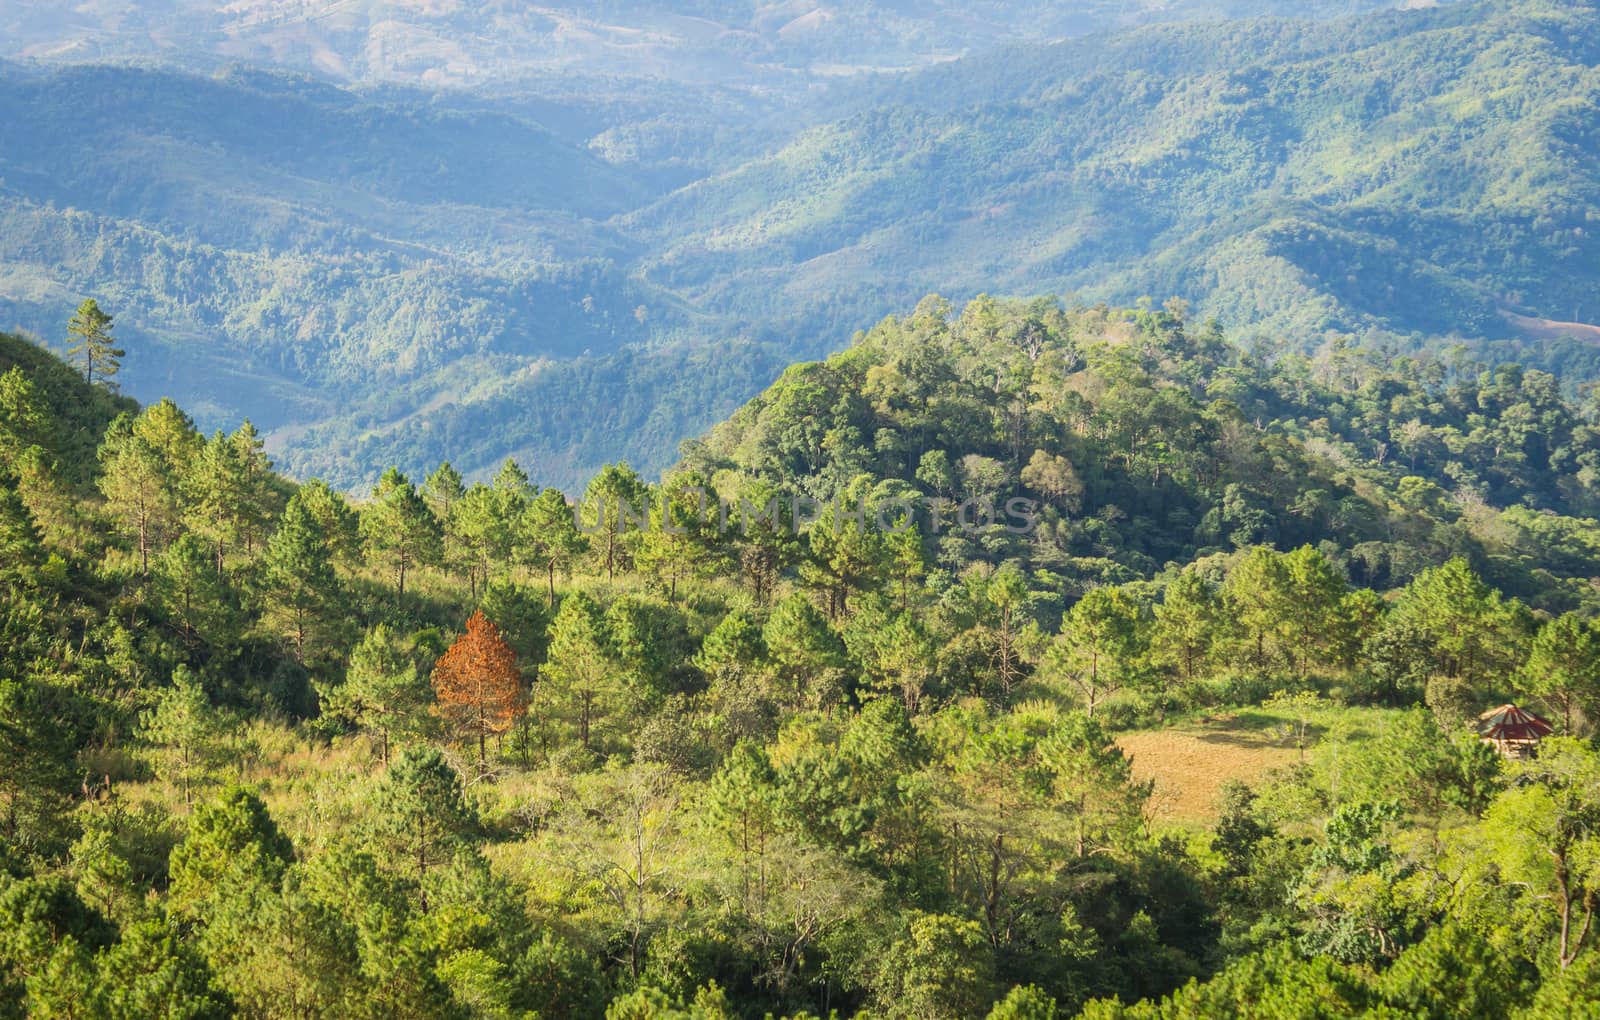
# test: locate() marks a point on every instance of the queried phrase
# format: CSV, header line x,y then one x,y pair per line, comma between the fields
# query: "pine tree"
x,y
1563,668
512,493
89,338
767,540
423,815
340,525
548,537
1315,626
397,526
806,654
381,692
55,504
1188,622
905,658
478,683
142,461
1007,593
139,488
214,491
441,491
1101,646
1092,785
908,561
253,511
192,591
733,647
172,433
153,972
1473,634
577,675
232,850
744,807
24,421
301,586
188,733
682,541
24,458
21,552
1259,594
491,517
475,535
847,555
615,501
37,769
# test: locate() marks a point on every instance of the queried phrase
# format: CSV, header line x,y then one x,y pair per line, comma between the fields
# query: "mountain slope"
x,y
1410,171
289,251
77,412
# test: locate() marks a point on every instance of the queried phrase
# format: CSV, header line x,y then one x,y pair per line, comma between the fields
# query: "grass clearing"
x,y
1193,757
1190,763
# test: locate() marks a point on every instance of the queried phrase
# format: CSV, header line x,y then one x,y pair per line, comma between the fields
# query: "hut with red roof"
x,y
1513,731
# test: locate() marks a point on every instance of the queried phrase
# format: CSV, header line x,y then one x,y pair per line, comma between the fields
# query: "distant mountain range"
x,y
440,42
1417,172
575,269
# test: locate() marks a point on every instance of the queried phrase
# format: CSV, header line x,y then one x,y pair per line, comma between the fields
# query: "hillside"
x,y
77,413
451,751
1180,446
288,251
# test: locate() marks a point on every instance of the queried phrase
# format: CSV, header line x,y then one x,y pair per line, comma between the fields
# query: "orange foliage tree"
x,y
478,683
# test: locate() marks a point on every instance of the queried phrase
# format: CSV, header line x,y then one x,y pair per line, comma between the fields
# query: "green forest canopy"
x,y
753,772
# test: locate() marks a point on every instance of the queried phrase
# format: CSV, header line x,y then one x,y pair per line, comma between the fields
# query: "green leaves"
x,y
940,969
302,589
232,850
152,972
1544,833
1563,669
579,689
383,691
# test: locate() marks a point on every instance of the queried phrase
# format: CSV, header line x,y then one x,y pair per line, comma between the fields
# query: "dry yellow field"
x,y
1190,763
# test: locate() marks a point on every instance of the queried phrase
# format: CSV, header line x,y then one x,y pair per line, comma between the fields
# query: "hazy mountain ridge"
x,y
446,41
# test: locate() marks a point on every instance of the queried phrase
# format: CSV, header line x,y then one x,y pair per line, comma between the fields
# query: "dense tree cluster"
x,y
468,748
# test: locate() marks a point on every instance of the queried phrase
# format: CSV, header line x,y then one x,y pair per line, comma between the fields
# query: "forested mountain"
x,y
469,751
385,274
374,644
1150,443
1416,172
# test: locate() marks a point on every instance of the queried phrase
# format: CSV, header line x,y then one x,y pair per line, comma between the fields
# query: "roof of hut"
x,y
1508,722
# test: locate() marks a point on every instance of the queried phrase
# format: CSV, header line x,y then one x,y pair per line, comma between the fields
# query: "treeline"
x,y
475,750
